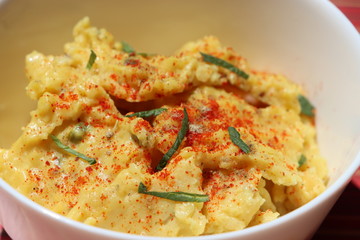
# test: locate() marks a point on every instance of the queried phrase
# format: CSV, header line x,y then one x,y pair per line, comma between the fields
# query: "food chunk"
x,y
190,144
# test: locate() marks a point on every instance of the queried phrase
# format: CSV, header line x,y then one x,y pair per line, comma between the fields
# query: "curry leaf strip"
x,y
306,107
302,160
235,138
180,137
91,60
127,47
175,196
222,63
72,151
150,113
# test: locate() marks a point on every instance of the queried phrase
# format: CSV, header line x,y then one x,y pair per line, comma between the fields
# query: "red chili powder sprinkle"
x,y
60,105
142,124
69,96
104,103
114,77
103,197
118,56
81,181
89,169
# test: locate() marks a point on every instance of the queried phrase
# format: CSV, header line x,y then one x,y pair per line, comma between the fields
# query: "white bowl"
x,y
309,41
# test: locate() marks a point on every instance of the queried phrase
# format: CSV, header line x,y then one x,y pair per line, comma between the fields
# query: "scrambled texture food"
x,y
216,147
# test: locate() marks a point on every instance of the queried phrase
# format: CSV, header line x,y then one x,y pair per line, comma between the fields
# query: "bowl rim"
x,y
332,190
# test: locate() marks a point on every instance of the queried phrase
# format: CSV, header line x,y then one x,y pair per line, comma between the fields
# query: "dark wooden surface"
x,y
343,221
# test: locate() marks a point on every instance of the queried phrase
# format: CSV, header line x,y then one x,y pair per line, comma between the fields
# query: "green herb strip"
x,y
127,47
302,160
175,196
92,59
180,137
222,63
150,113
306,107
235,138
146,54
72,151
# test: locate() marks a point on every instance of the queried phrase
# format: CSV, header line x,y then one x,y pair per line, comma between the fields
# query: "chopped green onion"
x,y
72,151
235,138
78,132
180,137
92,59
306,107
302,160
127,47
175,196
222,63
150,113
